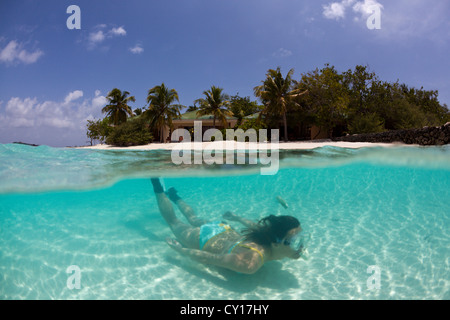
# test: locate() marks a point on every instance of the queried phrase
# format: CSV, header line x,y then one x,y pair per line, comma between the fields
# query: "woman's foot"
x,y
157,187
229,216
172,194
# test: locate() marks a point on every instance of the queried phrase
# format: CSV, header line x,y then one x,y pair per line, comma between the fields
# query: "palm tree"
x,y
118,108
192,108
277,94
215,103
162,110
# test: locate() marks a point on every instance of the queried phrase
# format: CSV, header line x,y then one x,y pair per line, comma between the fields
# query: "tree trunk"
x,y
285,127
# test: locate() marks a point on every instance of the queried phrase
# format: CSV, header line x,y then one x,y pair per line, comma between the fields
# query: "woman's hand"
x,y
229,261
230,216
174,244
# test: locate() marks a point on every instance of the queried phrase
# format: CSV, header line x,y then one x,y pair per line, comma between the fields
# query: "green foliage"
x,y
354,101
327,98
131,133
162,109
278,95
358,84
118,109
255,124
358,100
98,129
215,103
367,123
242,107
192,108
405,108
248,124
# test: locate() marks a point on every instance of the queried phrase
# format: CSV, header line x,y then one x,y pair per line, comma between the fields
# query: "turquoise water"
x,y
383,207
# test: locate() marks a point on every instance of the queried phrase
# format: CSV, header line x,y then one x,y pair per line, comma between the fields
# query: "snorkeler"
x,y
216,243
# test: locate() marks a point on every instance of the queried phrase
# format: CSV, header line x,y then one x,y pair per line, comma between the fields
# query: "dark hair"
x,y
270,229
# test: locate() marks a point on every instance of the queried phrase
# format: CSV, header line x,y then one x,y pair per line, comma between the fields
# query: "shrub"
x,y
98,129
253,124
367,123
131,133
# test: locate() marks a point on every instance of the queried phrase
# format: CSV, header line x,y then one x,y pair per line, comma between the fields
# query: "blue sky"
x,y
52,79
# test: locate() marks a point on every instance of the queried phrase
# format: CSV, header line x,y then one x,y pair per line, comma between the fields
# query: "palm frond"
x,y
162,109
118,108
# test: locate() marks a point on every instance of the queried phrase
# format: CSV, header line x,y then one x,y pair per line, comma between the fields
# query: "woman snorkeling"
x,y
216,243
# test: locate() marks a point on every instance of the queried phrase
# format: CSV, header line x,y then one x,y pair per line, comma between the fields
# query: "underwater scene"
x,y
378,218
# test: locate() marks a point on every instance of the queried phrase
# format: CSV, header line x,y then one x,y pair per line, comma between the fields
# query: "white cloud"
x,y
14,53
366,8
137,49
282,53
96,37
401,20
19,113
59,122
21,123
120,31
70,114
98,101
29,112
337,10
334,10
101,33
73,96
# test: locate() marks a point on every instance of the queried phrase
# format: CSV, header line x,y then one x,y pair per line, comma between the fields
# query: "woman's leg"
x,y
186,234
186,209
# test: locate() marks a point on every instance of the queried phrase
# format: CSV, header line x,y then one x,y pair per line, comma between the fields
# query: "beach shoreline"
x,y
221,145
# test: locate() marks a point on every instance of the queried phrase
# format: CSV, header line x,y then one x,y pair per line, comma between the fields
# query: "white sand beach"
x,y
221,145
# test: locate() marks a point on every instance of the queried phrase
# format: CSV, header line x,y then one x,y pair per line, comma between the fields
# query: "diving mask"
x,y
299,241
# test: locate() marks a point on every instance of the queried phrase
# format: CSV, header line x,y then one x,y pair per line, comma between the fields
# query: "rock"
x,y
423,136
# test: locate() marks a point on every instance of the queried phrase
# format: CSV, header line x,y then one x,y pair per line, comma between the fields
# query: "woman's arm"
x,y
248,263
233,217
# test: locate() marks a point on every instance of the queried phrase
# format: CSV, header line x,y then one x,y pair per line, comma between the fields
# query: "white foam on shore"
x,y
304,145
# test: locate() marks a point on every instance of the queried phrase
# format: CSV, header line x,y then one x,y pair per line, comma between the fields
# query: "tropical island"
x,y
354,105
